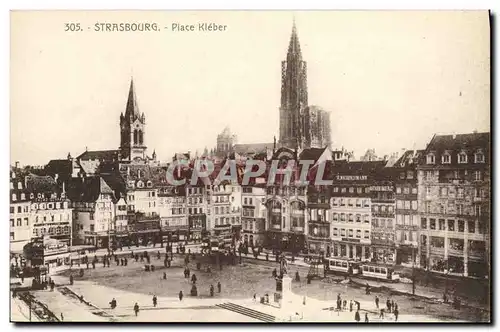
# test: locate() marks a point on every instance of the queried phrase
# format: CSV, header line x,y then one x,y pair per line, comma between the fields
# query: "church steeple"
x,y
132,129
294,46
132,110
293,94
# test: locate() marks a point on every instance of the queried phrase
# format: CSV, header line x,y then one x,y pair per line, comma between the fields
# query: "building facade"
x,y
454,204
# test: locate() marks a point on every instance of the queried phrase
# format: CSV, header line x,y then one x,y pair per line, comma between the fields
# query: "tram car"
x,y
380,272
343,266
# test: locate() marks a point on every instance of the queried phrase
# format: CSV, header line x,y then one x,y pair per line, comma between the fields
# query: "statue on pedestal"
x,y
283,266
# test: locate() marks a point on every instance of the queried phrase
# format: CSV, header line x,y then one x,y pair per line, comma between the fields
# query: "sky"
x,y
390,80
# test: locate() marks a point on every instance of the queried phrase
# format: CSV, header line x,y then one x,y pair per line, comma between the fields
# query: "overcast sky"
x,y
390,79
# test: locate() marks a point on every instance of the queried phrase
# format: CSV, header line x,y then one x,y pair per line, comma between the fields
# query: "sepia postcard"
x,y
250,166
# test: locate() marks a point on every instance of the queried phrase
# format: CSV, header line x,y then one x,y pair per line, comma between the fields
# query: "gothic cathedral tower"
x,y
132,129
293,95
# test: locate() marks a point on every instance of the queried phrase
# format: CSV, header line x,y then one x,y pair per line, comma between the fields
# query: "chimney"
x,y
474,131
17,164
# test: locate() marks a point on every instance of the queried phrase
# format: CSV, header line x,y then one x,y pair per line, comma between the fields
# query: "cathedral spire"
x,y
294,46
132,110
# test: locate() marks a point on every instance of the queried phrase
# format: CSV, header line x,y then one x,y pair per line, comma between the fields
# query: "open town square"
x,y
299,228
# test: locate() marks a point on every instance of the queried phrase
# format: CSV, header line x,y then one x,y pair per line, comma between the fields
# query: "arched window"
x,y
135,136
141,137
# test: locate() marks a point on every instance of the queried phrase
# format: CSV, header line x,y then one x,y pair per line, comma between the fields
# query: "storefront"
x,y
284,241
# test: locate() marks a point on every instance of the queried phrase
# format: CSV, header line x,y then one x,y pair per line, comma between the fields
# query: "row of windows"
x,y
248,201
195,210
286,191
406,190
344,217
352,190
351,233
383,208
227,220
195,200
382,223
20,209
221,209
351,202
51,230
407,219
19,222
461,157
195,191
407,205
39,196
452,225
52,218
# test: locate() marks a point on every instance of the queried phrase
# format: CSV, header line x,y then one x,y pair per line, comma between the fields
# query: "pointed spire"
x,y
294,46
132,109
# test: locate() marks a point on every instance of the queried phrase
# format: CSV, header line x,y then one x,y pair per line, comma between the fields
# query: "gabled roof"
x,y
88,189
457,142
254,148
106,155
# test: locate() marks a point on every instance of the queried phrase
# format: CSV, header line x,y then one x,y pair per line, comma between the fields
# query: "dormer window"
x,y
12,185
446,158
462,158
23,196
431,159
19,185
150,184
131,184
140,184
479,158
32,196
14,197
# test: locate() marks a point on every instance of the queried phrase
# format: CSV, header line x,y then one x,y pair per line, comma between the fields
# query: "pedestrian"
x,y
212,290
382,313
297,277
93,265
356,317
136,309
71,280
345,305
388,305
392,304
396,314
350,305
155,301
164,276
188,272
219,287
366,318
180,296
62,317
126,261
358,304
254,297
395,306
193,279
376,301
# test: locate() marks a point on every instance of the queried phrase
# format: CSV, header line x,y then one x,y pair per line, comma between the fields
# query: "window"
x,y
451,225
471,225
358,202
444,192
367,235
334,202
358,234
406,190
428,191
414,205
399,219
335,189
351,233
442,224
335,232
409,175
366,203
342,202
414,190
342,217
14,197
462,158
342,232
367,219
12,223
12,209
351,218
358,218
398,190
478,176
344,190
349,202
335,217
407,205
479,158
432,223
12,236
19,209
351,190
430,159
360,190
461,226
446,158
